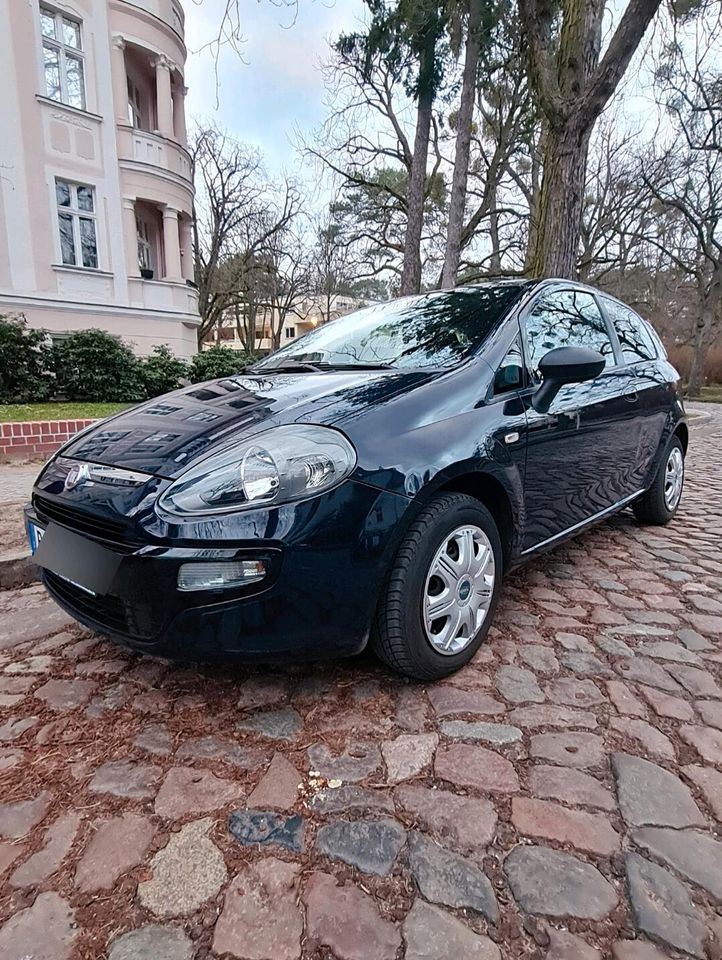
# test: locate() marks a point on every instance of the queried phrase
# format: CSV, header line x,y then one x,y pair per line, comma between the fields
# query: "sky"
x,y
274,85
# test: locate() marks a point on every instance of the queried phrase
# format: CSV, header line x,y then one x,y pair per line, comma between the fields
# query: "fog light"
x,y
220,576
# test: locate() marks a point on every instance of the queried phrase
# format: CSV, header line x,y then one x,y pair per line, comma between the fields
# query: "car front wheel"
x,y
439,598
659,504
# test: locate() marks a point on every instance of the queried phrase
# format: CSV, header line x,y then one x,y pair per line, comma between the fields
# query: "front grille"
x,y
108,613
100,528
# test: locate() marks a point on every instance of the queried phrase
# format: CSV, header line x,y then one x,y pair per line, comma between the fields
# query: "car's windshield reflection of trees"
x,y
428,331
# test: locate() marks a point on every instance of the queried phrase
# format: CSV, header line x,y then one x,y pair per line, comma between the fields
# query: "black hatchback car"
x,y
370,482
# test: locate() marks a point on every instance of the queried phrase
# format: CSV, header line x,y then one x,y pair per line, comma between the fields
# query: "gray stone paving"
x,y
559,799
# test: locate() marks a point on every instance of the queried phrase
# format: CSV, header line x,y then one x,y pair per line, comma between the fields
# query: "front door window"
x,y
566,318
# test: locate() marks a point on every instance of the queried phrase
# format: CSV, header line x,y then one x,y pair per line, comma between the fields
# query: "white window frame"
x,y
145,244
63,51
290,333
77,214
135,115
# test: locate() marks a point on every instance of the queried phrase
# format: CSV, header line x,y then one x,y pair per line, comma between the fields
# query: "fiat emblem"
x,y
77,474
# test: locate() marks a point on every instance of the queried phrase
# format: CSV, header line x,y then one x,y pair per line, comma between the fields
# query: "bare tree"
x,y
685,177
406,35
617,208
290,262
500,185
333,260
238,212
365,145
457,200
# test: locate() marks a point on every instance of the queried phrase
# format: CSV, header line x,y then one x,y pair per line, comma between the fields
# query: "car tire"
x,y
401,637
661,501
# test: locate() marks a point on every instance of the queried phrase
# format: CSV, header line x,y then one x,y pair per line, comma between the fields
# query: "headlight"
x,y
279,466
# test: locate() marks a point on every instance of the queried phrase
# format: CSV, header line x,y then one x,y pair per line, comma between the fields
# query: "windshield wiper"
x,y
323,366
290,366
359,366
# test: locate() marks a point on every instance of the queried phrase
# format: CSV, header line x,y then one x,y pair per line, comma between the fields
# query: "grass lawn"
x,y
58,411
711,393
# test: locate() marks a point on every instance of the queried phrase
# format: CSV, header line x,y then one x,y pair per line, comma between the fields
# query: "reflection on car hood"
x,y
165,435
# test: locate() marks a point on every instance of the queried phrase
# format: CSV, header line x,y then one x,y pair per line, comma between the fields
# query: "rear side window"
x,y
566,318
635,339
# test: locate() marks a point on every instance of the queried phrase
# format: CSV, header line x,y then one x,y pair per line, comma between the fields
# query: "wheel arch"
x,y
488,490
682,431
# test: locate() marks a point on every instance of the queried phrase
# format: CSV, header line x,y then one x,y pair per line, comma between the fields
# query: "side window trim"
x,y
530,307
611,332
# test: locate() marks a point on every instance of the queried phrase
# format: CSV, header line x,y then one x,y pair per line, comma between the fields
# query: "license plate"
x,y
35,536
76,559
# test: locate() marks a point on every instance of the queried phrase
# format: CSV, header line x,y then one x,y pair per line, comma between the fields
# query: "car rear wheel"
x,y
439,598
659,504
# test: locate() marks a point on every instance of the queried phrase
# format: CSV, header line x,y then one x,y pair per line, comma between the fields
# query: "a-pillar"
x,y
171,245
120,80
130,238
164,102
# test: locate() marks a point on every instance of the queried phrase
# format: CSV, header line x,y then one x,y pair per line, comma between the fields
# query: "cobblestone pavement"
x,y
559,798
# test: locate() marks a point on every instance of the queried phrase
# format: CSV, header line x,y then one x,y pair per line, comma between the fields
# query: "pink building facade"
x,y
96,196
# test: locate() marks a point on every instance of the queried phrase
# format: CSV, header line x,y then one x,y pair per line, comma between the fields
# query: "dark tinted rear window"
x,y
432,330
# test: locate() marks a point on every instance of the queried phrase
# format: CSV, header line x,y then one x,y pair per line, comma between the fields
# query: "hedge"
x,y
97,367
25,363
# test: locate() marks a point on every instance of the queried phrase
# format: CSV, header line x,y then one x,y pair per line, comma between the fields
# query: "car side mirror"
x,y
565,365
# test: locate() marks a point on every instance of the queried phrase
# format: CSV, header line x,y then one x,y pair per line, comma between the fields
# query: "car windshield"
x,y
432,330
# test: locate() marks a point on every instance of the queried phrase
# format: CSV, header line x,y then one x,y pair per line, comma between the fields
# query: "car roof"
x,y
539,283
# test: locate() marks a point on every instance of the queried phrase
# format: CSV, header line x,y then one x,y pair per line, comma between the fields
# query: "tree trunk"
x,y
495,257
699,349
457,200
711,303
561,201
572,87
535,202
416,192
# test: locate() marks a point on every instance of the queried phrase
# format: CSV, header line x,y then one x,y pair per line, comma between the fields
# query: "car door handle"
x,y
631,397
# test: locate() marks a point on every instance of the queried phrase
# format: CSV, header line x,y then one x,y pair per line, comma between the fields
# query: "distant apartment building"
x,y
96,197
308,313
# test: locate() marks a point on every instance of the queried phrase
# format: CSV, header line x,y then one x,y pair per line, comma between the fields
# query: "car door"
x,y
580,454
640,361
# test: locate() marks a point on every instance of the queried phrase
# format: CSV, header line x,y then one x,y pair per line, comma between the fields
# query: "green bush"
x,y
217,362
97,366
92,366
162,371
24,362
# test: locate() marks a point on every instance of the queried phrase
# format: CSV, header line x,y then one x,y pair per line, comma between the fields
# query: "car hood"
x,y
165,435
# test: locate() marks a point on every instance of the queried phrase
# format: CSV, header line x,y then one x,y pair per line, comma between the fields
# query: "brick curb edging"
x,y
18,571
36,438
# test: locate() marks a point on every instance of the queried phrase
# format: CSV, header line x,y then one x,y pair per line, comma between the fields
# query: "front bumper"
x,y
317,599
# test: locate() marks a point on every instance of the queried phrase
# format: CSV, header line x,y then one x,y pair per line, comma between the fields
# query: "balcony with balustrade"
x,y
155,167
149,99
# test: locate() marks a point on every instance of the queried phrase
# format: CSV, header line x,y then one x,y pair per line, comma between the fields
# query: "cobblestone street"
x,y
559,798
